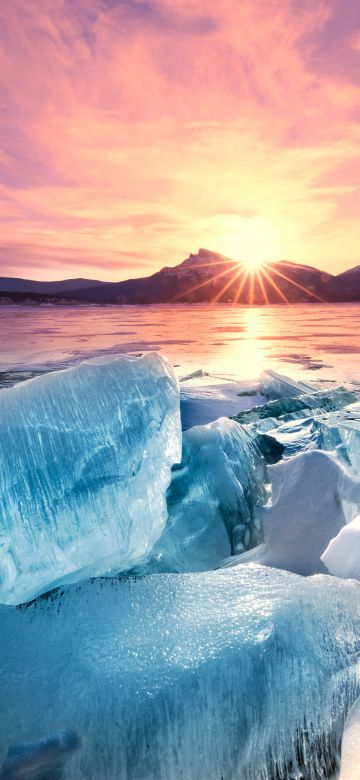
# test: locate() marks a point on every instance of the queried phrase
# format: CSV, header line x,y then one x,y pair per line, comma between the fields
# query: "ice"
x,y
275,385
300,406
205,397
244,673
342,556
40,760
287,426
348,425
305,512
214,499
350,749
85,462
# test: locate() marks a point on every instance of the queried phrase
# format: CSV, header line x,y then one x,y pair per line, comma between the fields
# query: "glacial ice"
x,y
300,406
287,426
247,672
275,385
40,760
342,555
305,512
214,499
85,462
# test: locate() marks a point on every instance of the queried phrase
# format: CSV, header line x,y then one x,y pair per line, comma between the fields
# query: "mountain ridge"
x,y
204,277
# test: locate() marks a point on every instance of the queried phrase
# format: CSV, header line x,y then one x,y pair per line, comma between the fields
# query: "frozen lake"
x,y
308,342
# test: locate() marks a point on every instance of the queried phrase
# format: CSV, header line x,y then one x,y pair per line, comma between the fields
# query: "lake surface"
x,y
309,342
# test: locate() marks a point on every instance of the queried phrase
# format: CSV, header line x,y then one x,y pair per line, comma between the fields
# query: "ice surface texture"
x,y
231,674
303,405
40,760
214,499
85,462
275,385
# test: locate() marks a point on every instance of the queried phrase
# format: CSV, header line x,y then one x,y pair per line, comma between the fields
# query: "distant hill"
x,y
205,277
14,284
346,286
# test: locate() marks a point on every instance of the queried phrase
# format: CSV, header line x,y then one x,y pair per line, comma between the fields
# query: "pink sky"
x,y
132,132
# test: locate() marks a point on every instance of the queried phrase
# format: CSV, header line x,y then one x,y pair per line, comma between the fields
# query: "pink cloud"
x,y
131,130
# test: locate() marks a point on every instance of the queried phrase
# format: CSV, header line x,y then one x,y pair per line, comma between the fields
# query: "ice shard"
x,y
214,499
85,461
300,406
289,425
275,385
247,673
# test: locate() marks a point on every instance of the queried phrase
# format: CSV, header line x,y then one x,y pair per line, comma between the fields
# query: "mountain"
x,y
14,284
346,286
204,277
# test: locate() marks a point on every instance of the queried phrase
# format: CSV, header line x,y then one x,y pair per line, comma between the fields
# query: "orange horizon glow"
x,y
134,131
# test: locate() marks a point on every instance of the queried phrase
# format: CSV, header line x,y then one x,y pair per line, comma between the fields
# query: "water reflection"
x,y
224,339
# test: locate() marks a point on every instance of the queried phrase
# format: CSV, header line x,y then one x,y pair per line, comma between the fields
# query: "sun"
x,y
251,241
252,264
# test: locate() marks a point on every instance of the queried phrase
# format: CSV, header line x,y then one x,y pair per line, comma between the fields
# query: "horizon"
x,y
248,268
143,128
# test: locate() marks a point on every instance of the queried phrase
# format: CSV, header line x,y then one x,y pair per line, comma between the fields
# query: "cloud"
x,y
135,131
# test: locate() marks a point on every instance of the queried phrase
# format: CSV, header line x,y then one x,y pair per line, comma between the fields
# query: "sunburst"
x,y
256,279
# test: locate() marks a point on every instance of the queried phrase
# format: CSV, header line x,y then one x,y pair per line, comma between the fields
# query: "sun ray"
x,y
276,288
296,284
251,287
227,285
241,286
207,281
262,286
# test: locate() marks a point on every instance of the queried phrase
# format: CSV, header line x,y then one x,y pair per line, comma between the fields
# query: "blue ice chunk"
x,y
247,672
85,461
286,409
214,499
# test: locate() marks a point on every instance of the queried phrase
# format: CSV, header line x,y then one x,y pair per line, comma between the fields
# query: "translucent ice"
x,y
244,673
300,406
275,385
214,499
40,760
305,512
85,462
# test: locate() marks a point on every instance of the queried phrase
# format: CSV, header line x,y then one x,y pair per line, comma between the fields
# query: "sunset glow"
x,y
135,132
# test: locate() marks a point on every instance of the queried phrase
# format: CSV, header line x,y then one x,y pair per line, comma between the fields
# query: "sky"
x,y
133,132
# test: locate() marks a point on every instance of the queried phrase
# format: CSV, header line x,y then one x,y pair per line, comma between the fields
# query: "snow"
x,y
229,673
214,500
85,462
305,512
342,555
204,397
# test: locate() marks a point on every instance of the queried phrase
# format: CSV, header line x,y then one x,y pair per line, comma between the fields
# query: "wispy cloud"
x,y
132,132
